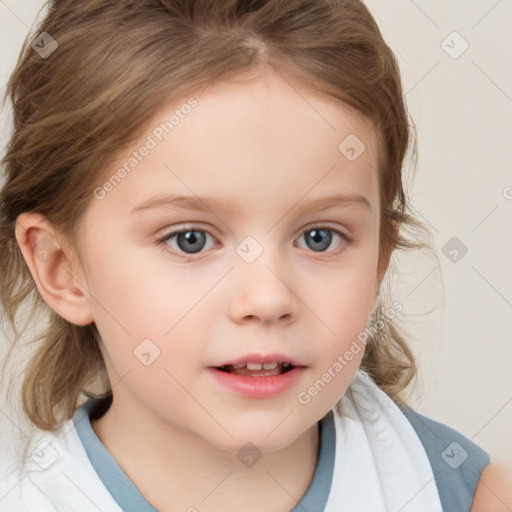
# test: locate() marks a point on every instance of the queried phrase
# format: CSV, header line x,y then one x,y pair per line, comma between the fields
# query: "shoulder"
x,y
494,490
451,449
457,462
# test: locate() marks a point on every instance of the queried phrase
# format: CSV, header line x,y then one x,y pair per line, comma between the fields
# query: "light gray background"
x,y
462,108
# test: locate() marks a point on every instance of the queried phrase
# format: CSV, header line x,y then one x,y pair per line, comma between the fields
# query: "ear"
x,y
56,271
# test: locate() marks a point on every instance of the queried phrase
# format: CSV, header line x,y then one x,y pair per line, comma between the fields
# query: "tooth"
x,y
285,365
269,366
238,366
254,366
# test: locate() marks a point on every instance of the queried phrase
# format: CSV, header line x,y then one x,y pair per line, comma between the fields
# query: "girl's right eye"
x,y
188,240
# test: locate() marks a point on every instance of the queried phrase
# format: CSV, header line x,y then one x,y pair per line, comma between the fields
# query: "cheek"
x,y
139,293
342,300
343,310
142,308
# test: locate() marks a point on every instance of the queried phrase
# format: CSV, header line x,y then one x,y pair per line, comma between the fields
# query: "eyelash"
x,y
161,242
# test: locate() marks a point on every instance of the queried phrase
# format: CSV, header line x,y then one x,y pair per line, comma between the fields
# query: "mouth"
x,y
257,369
258,376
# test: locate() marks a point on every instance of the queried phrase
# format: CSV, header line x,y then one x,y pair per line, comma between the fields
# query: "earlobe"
x,y
61,286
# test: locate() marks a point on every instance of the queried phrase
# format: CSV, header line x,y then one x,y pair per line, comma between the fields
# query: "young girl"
x,y
263,369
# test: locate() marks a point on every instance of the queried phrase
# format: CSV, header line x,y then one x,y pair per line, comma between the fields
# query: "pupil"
x,y
317,235
192,237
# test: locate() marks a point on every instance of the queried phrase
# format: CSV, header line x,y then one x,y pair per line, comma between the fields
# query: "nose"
x,y
262,292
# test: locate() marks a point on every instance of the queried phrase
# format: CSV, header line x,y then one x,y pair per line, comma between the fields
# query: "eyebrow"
x,y
204,204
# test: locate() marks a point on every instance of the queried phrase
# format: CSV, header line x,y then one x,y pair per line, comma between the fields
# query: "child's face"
x,y
262,151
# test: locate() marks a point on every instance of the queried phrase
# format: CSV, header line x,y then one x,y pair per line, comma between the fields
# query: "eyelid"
x,y
307,227
327,225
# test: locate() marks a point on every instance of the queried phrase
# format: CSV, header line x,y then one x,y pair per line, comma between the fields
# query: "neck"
x,y
176,470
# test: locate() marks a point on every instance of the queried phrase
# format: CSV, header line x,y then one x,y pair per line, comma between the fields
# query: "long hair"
x,y
107,69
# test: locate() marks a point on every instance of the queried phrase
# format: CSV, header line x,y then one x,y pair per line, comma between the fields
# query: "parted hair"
x,y
116,64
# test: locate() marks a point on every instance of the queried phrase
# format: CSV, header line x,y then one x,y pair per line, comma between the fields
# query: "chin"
x,y
260,438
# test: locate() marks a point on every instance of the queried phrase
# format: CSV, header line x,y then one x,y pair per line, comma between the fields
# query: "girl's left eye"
x,y
320,237
191,241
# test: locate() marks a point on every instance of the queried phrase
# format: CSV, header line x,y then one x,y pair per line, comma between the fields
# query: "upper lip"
x,y
262,359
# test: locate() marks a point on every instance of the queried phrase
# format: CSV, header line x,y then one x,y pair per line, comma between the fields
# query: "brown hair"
x,y
116,64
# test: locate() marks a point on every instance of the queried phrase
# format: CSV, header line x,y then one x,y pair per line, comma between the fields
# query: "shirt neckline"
x,y
129,498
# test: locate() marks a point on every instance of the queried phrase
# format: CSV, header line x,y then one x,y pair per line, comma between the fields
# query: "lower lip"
x,y
258,387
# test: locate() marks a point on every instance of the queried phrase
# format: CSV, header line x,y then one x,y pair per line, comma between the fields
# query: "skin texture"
x,y
267,148
494,490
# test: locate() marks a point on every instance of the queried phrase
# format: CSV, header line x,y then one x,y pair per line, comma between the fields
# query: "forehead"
x,y
261,136
270,112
